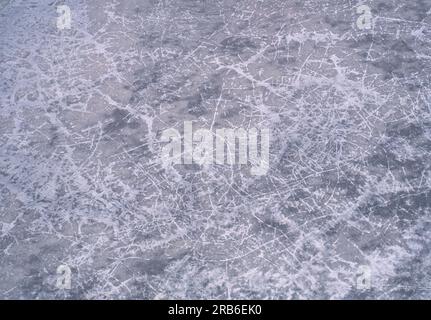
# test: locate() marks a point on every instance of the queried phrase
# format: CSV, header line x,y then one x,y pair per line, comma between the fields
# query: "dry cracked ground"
x,y
342,213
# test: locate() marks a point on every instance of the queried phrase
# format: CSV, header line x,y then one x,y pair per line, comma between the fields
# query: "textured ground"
x,y
81,181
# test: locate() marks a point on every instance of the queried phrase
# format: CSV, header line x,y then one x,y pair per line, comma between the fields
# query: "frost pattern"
x,y
81,181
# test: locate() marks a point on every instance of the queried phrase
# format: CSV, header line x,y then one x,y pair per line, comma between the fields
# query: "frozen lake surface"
x,y
343,211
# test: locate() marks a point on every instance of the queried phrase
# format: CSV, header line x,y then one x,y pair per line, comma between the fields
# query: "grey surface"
x,y
81,184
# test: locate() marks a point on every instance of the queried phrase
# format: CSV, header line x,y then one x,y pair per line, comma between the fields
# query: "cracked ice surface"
x,y
81,181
